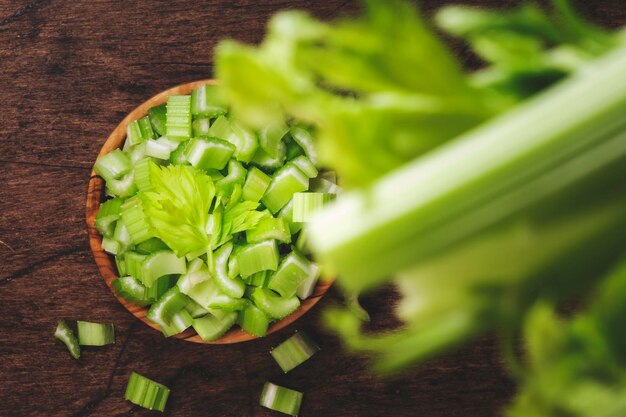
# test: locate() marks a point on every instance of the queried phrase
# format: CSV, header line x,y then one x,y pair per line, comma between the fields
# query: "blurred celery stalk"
x,y
488,197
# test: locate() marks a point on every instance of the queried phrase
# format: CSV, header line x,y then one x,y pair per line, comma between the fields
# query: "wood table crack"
x,y
88,408
28,269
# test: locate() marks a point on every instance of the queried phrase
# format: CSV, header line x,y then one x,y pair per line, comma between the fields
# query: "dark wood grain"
x,y
69,72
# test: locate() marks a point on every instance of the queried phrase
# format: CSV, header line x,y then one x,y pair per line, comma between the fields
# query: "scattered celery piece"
x,y
294,351
95,334
281,399
66,335
146,393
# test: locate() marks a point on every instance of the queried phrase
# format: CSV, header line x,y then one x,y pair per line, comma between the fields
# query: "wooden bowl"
x,y
106,263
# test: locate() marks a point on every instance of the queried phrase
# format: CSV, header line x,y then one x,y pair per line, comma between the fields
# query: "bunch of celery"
x,y
488,197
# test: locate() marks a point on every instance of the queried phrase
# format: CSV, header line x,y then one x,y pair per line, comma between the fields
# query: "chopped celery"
x,y
142,175
303,138
253,320
259,279
157,116
305,166
272,304
121,235
95,334
269,228
236,175
306,287
178,157
161,263
158,149
178,323
151,245
234,287
110,245
201,127
207,101
178,117
294,351
257,257
66,335
123,187
161,312
107,216
146,393
293,270
113,165
136,221
132,264
281,399
209,153
270,136
287,214
285,183
211,328
243,139
262,159
139,131
131,290
255,185
305,205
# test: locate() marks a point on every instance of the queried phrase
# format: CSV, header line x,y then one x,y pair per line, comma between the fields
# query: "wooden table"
x,y
69,72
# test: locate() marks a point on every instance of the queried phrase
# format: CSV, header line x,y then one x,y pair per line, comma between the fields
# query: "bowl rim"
x,y
105,263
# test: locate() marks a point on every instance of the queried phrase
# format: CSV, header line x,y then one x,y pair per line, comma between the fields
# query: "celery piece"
x,y
236,175
305,165
131,290
211,328
110,245
158,149
179,322
66,335
95,334
123,187
121,235
269,228
233,287
253,320
294,351
258,279
287,214
272,304
178,157
201,127
151,245
305,140
293,270
161,263
209,153
207,101
157,115
305,205
281,399
255,185
108,214
136,221
146,393
138,131
132,264
270,136
141,177
285,183
112,165
257,257
170,303
178,117
306,287
247,142
262,159
293,150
